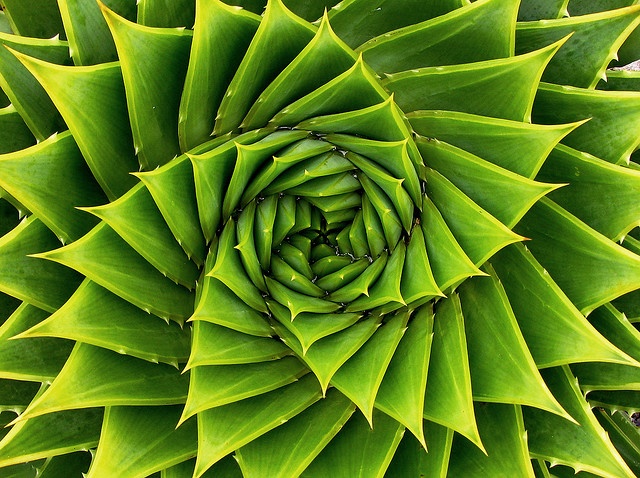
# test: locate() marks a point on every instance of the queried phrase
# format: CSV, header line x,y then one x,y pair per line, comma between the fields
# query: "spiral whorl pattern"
x,y
320,244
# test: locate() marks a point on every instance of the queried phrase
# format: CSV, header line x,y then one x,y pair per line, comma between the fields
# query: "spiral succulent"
x,y
279,239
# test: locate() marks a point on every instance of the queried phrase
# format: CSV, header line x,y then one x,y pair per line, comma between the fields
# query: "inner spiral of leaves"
x,y
316,228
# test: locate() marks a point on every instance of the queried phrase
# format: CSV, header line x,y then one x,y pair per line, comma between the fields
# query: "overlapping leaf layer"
x,y
397,238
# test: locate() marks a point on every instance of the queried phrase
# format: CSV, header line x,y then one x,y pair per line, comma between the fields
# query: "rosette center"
x,y
314,227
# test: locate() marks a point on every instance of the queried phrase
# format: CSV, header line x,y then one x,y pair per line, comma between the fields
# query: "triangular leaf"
x,y
216,385
505,437
82,94
448,398
279,38
455,87
359,451
115,324
360,377
36,175
504,372
555,331
138,441
402,391
220,32
51,435
41,283
96,377
93,254
583,446
288,449
224,429
444,40
588,267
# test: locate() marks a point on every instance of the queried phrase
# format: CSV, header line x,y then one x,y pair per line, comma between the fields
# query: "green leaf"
x,y
224,429
390,155
611,132
382,121
402,391
172,187
220,305
588,267
356,21
211,173
449,263
386,289
229,270
582,445
217,345
15,395
505,438
448,399
297,302
291,278
624,435
83,94
227,467
620,80
114,324
479,234
41,283
216,385
279,39
293,156
360,377
90,41
328,354
40,19
51,435
93,255
615,399
411,458
493,139
138,441
555,331
121,380
417,281
26,94
36,175
220,32
290,254
308,328
71,464
574,64
14,133
354,289
166,13
455,87
540,9
359,451
505,195
392,187
594,194
354,89
325,57
445,39
288,449
616,327
505,372
36,360
250,158
607,376
154,65
137,220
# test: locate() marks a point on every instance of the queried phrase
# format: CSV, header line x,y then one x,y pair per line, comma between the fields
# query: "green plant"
x,y
351,269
